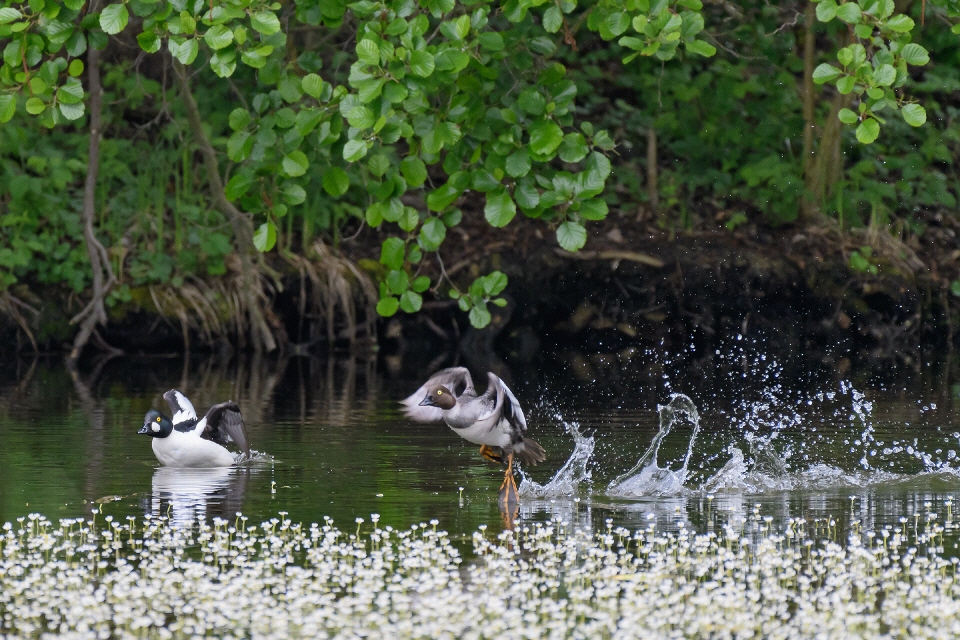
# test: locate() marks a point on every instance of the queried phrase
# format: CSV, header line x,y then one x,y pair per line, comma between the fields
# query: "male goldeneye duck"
x,y
493,420
188,442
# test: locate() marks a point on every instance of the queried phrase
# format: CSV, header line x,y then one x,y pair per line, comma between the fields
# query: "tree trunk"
x,y
103,279
822,159
261,334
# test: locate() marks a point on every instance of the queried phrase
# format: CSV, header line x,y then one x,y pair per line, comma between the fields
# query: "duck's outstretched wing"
x,y
223,424
456,379
507,404
184,415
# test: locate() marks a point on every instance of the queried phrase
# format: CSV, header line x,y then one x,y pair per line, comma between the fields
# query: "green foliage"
x,y
862,260
876,66
415,115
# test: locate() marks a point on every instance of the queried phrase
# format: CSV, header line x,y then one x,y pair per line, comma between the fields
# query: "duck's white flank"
x,y
181,449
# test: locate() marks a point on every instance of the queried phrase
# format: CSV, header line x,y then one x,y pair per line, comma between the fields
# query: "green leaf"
x,y
701,48
420,284
545,137
411,301
552,19
368,52
915,54
336,181
239,118
825,73
312,85
913,114
849,12
532,101
238,185
847,116
218,36
75,68
494,283
391,253
186,53
955,288
432,233
518,163
571,236
826,10
361,117
442,197
295,163
846,84
884,75
239,146
9,14
378,165
71,111
265,22
491,41
35,106
868,131
594,209
900,24
149,41
409,218
479,316
414,171
573,148
354,150
421,63
293,194
114,18
397,281
265,237
8,106
388,306
500,208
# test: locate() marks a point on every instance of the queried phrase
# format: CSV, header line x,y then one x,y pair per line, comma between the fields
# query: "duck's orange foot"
x,y
491,454
509,494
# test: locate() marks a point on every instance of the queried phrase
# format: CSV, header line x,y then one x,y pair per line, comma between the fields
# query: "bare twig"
x,y
103,278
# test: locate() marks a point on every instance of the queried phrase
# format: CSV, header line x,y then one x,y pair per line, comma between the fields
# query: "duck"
x,y
185,441
493,419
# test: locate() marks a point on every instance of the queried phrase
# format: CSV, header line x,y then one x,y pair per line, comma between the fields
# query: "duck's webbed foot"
x,y
509,494
491,454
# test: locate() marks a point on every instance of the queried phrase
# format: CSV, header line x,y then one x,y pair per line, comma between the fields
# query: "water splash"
x,y
647,477
566,481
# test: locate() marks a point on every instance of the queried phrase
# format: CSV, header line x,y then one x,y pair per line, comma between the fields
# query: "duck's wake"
x,y
566,482
253,458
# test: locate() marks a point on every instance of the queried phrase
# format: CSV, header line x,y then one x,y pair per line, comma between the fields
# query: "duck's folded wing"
x,y
507,404
456,379
184,415
225,424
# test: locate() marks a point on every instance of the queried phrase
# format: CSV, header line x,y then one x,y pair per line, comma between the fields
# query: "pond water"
x,y
790,435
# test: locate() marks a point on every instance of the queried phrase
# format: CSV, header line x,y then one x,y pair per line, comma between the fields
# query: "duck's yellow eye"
x,y
439,393
158,419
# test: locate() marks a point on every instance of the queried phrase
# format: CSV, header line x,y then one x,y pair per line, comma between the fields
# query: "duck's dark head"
x,y
156,424
439,396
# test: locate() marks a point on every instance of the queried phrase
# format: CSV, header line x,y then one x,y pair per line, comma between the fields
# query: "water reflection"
x,y
185,495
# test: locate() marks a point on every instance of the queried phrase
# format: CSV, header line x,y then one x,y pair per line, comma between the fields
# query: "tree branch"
x,y
242,227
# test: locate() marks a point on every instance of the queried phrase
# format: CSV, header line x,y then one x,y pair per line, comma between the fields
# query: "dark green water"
x,y
814,433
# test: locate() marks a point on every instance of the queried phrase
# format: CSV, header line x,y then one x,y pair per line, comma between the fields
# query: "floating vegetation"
x,y
151,578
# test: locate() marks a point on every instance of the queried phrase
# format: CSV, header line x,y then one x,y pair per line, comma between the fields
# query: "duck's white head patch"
x,y
155,427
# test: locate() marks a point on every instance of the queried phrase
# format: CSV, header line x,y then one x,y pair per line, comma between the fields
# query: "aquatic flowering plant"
x,y
151,578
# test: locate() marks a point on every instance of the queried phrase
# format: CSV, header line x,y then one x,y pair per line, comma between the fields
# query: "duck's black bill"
x,y
145,429
427,402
